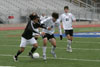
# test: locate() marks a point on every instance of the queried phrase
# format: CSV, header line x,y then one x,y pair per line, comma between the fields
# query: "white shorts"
x,y
24,41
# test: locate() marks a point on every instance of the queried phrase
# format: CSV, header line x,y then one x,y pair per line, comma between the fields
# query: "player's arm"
x,y
41,26
44,24
73,18
34,30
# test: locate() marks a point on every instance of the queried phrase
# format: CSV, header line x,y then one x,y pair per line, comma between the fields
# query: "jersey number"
x,y
67,19
52,26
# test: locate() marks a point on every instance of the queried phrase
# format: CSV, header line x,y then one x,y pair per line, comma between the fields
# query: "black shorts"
x,y
48,36
70,32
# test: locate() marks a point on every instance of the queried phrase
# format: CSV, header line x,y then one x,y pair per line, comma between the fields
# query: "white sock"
x,y
69,42
53,49
44,50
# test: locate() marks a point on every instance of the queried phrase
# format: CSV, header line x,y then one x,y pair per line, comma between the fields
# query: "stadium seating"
x,y
25,7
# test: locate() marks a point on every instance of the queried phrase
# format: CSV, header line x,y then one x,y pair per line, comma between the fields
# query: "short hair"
x,y
55,15
33,17
66,7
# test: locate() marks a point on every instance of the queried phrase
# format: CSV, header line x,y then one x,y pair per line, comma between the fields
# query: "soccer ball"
x,y
36,55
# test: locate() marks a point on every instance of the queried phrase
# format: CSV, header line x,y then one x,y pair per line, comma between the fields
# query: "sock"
x,y
44,50
69,42
33,50
53,48
36,38
18,53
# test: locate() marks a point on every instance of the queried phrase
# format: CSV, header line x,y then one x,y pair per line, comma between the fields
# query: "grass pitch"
x,y
86,51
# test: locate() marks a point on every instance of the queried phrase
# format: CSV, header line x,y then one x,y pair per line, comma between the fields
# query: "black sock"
x,y
54,46
18,53
36,38
33,49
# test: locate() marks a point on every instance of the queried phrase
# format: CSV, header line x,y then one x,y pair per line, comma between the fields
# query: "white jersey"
x,y
42,18
49,23
67,19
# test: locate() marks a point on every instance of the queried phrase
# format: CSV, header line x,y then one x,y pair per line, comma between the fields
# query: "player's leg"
x,y
33,49
53,42
35,46
18,53
44,48
69,41
22,46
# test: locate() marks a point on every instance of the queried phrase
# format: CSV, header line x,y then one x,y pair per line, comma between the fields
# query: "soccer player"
x,y
50,23
42,17
27,36
36,35
67,18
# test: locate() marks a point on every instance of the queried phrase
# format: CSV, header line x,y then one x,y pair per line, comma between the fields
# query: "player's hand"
x,y
42,33
49,28
61,37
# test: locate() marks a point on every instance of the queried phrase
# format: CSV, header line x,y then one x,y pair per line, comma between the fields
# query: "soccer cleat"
x,y
44,57
30,54
54,54
69,49
15,58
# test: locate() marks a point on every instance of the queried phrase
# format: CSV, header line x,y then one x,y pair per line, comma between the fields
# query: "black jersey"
x,y
30,29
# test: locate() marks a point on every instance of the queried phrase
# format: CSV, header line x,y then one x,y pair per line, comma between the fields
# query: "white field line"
x,y
56,47
72,59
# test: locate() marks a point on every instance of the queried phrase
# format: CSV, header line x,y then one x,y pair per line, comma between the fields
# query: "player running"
x,y
50,23
67,19
27,36
36,35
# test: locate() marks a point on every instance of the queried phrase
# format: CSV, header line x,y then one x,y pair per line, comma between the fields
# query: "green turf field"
x,y
86,51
